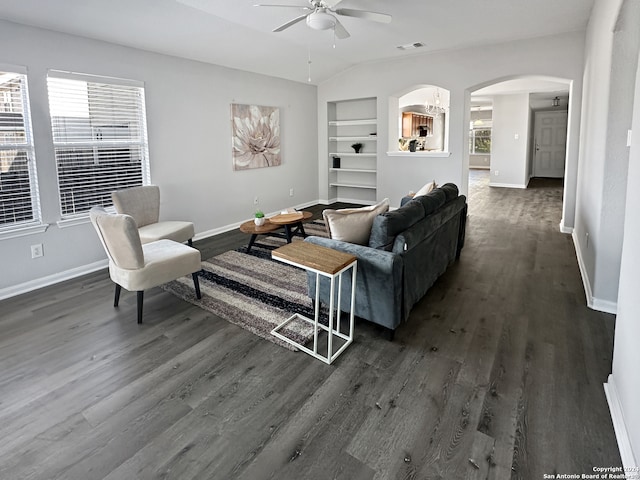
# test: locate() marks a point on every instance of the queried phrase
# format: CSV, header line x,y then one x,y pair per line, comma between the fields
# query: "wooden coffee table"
x,y
291,222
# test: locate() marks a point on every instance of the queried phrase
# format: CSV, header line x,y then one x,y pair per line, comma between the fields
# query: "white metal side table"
x,y
324,262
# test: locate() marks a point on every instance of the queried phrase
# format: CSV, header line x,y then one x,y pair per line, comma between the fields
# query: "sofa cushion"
x,y
450,190
387,225
353,225
432,200
426,188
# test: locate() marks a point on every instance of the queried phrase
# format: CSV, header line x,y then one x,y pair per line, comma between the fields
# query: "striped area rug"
x,y
253,291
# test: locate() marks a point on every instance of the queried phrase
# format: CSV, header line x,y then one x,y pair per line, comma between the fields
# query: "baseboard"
x,y
93,267
594,303
356,201
52,279
606,306
233,226
622,434
507,185
565,229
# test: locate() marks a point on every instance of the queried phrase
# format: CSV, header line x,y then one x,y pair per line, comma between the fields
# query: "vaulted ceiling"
x,y
236,34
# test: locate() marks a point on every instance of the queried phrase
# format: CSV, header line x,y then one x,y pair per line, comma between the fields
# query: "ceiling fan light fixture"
x,y
321,21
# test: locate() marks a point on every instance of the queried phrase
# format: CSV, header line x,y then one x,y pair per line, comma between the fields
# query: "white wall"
x,y
611,58
189,126
623,387
510,141
459,71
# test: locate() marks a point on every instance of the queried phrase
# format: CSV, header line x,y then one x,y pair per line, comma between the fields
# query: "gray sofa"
x,y
409,248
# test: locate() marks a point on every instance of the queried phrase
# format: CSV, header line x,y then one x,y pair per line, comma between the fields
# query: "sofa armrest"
x,y
379,282
384,261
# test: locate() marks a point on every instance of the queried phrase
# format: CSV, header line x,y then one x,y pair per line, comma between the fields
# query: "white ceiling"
x,y
236,34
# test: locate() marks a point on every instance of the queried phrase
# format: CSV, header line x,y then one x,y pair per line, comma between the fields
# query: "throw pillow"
x,y
353,225
426,189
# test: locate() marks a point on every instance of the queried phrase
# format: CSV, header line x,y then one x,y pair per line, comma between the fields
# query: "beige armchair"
x,y
138,267
143,204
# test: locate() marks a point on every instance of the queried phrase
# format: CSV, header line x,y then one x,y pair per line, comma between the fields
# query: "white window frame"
x,y
34,224
73,137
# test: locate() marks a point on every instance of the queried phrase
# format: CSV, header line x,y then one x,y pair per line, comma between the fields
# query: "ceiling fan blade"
x,y
290,23
340,31
373,16
331,4
284,6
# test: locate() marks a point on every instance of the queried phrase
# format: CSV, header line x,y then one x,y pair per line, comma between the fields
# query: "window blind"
x,y
19,204
99,138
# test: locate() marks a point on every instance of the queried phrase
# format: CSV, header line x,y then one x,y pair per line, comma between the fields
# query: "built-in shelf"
x,y
358,170
353,185
353,121
351,139
351,154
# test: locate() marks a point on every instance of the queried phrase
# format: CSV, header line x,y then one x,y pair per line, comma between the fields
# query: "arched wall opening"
x,y
423,120
419,120
516,103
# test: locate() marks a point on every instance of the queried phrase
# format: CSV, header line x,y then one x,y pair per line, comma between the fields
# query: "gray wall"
x,y
510,140
189,126
611,59
623,387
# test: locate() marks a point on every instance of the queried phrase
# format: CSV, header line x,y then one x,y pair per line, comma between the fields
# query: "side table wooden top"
x,y
274,223
314,256
250,227
290,218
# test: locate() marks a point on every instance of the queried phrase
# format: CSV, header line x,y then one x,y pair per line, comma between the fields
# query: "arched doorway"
x,y
518,130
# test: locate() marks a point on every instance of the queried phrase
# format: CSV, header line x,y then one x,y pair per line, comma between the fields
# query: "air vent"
x,y
411,46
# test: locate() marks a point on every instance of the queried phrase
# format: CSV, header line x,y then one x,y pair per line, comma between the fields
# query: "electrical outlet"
x,y
37,251
291,192
256,200
496,173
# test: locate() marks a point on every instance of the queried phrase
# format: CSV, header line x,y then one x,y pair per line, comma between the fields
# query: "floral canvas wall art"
x,y
256,136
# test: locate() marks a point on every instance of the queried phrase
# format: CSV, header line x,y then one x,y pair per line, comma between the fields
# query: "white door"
x,y
550,144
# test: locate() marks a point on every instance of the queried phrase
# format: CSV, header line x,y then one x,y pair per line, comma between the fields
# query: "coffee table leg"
x,y
301,230
251,241
287,231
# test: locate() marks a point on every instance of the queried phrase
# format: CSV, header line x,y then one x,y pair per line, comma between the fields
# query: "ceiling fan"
x,y
322,16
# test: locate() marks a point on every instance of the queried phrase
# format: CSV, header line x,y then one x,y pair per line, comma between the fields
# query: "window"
x,y
19,204
99,138
480,138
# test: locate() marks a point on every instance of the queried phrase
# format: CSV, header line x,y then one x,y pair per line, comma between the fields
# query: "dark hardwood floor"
x,y
498,374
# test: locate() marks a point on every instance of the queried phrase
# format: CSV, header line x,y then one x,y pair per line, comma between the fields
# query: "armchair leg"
x,y
140,299
190,242
196,284
116,298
